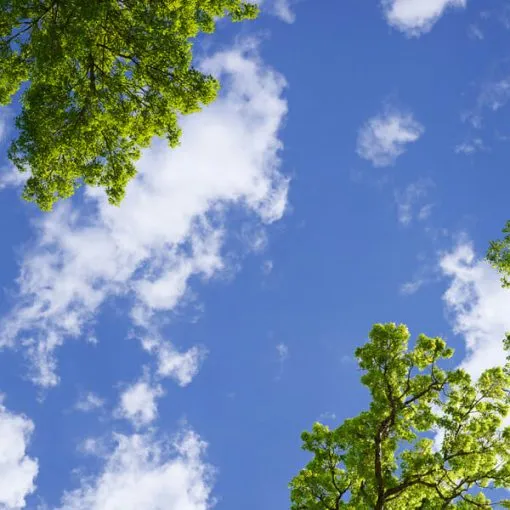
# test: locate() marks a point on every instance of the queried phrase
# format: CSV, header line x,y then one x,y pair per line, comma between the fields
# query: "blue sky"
x,y
167,354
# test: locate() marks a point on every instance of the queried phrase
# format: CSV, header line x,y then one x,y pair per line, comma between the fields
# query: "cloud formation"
x,y
493,95
478,306
416,17
283,352
17,470
411,202
138,403
384,137
144,473
89,402
280,8
412,287
171,226
283,10
469,147
179,366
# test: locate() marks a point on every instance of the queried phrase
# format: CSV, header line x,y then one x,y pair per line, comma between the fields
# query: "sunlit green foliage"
x,y
499,256
385,457
104,77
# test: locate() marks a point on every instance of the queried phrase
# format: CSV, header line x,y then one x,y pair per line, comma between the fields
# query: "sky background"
x,y
167,354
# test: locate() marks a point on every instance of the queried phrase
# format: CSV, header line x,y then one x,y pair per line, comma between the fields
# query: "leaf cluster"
x,y
103,78
387,457
499,255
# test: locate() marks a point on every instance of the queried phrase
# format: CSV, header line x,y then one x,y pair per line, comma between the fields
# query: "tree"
x,y
103,78
385,458
499,256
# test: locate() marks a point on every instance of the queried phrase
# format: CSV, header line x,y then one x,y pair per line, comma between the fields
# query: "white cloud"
x,y
475,32
6,121
10,177
282,351
412,286
415,17
89,402
425,212
92,446
254,238
180,366
267,267
383,138
138,403
279,8
494,94
17,470
144,474
283,10
327,416
170,227
410,202
470,147
478,306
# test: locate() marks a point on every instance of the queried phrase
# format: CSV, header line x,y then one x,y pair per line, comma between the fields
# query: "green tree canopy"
x,y
385,458
499,256
104,77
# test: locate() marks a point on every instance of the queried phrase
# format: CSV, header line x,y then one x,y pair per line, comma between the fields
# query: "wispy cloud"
x,y
283,352
267,267
282,9
412,287
470,147
171,226
17,469
327,417
475,32
10,177
411,202
384,137
416,17
142,472
89,402
478,306
493,95
499,13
